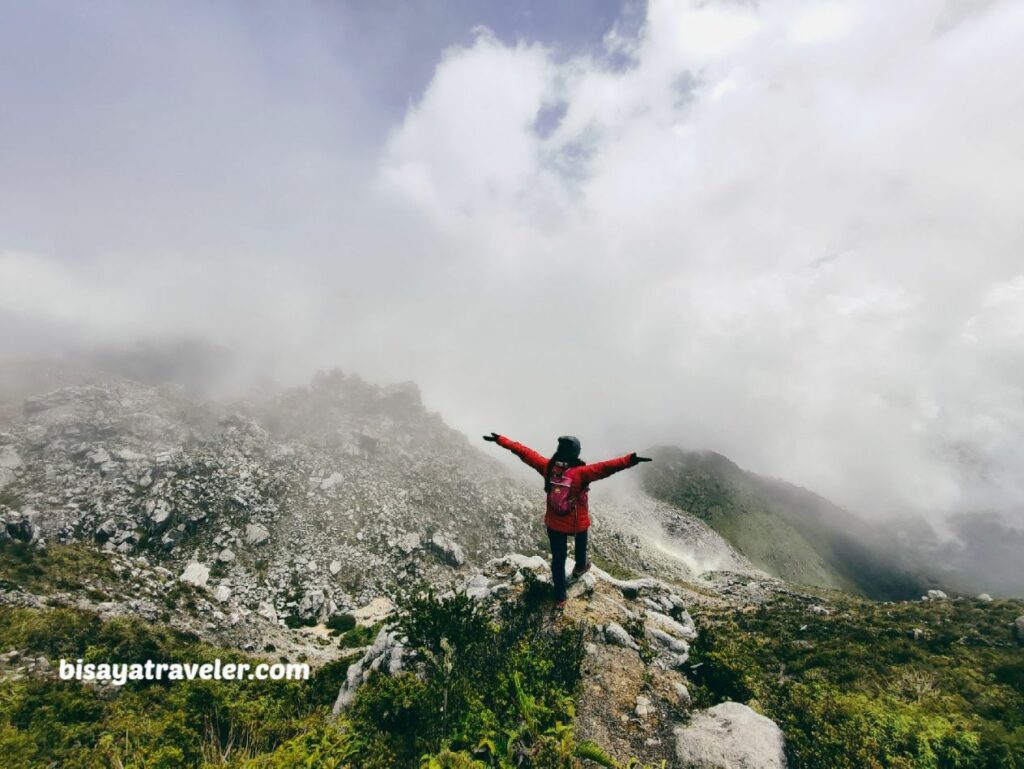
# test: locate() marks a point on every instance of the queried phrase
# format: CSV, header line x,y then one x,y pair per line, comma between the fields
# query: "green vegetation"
x,y
341,623
859,688
55,568
492,691
47,722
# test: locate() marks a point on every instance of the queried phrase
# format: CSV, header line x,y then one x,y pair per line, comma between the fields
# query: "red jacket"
x,y
581,478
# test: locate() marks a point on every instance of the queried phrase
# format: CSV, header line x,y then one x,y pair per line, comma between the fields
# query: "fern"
x,y
591,751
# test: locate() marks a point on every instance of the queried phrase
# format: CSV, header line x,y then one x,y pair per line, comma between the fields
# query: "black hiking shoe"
x,y
577,572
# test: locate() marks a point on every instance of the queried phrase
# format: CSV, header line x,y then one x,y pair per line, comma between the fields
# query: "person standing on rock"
x,y
567,480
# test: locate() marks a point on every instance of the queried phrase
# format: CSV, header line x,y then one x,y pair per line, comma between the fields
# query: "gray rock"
x,y
671,626
730,736
1019,624
936,595
9,459
267,611
616,635
672,652
159,514
448,550
985,597
643,706
683,694
409,542
256,534
386,654
519,561
106,530
335,567
225,556
196,574
331,481
222,593
21,529
9,462
99,456
582,587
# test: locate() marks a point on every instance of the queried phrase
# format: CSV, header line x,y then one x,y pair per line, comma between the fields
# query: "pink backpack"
x,y
561,500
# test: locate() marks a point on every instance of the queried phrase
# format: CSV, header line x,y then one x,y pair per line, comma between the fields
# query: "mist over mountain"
x,y
85,414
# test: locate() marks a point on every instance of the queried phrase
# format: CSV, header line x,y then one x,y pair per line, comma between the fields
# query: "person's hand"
x,y
493,437
634,460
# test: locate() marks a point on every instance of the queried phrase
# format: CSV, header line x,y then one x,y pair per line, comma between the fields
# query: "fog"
x,y
789,232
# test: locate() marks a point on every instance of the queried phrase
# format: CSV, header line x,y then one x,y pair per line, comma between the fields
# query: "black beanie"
x,y
568,451
568,448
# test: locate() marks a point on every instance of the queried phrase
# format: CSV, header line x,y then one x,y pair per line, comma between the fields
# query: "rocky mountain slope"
x,y
288,524
295,503
786,530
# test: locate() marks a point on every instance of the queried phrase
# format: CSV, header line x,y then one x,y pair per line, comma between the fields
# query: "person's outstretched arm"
x,y
537,461
599,470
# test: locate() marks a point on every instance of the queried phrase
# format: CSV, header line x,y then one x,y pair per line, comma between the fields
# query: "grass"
x,y
860,688
55,568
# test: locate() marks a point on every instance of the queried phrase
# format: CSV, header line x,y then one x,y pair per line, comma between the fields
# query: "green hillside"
x,y
786,530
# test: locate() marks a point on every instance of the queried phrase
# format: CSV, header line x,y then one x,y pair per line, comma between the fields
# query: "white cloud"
x,y
777,242
787,231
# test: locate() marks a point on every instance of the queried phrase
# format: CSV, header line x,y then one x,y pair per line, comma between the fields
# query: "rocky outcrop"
x,y
637,634
730,736
386,654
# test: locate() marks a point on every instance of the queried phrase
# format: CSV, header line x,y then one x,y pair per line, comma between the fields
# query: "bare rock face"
x,y
730,736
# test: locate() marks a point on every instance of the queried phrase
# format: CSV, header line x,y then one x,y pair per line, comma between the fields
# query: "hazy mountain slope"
x,y
788,531
299,502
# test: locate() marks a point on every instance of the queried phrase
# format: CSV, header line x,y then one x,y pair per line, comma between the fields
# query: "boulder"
x,y
582,587
730,736
985,598
196,574
159,513
684,629
256,534
226,556
331,481
616,635
106,530
221,593
21,529
1019,624
683,694
936,595
267,611
335,567
672,652
408,542
643,706
448,550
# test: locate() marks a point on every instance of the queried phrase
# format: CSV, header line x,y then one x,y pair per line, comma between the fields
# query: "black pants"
x,y
559,549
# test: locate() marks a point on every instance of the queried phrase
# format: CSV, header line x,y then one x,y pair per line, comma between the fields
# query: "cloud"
x,y
787,232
